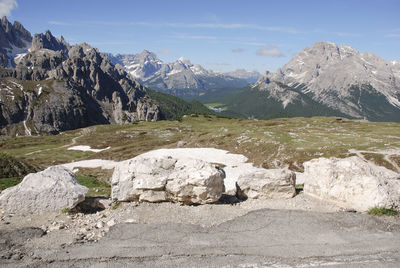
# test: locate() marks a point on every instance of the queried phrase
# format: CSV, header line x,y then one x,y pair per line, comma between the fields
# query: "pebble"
x,y
99,225
111,223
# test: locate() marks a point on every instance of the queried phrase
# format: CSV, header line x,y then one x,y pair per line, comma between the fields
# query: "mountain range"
x,y
181,77
325,79
345,81
49,86
56,87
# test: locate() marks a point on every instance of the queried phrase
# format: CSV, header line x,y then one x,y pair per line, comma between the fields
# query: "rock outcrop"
x,y
160,179
48,41
267,184
56,87
352,183
14,42
53,189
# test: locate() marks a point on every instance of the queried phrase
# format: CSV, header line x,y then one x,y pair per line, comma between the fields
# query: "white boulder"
x,y
267,184
53,189
166,178
352,183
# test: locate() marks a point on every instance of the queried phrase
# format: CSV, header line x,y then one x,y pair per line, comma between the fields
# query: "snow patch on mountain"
x,y
180,77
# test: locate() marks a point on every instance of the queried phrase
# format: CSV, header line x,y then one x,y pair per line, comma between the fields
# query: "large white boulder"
x,y
53,189
233,164
267,184
352,183
166,178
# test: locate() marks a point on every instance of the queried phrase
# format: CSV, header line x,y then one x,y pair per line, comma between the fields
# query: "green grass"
x,y
299,188
66,210
8,182
96,186
380,211
13,167
173,108
267,143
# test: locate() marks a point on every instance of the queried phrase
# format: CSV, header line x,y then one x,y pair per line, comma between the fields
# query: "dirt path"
x,y
386,156
272,238
72,143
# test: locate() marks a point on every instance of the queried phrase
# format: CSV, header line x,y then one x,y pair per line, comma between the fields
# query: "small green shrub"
x,y
11,167
66,211
380,211
96,186
299,188
115,204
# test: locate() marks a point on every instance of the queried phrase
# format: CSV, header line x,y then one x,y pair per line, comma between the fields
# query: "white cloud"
x,y
164,51
237,50
393,35
190,36
6,6
234,26
60,23
269,50
218,63
344,34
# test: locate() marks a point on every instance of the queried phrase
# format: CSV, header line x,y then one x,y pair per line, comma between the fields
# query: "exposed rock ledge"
x,y
352,182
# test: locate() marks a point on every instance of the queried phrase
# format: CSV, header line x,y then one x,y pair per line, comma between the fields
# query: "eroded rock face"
x,y
160,179
267,184
74,87
352,182
53,189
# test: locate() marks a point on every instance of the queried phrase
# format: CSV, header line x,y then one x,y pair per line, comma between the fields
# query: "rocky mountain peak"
x,y
249,76
14,42
184,61
341,78
6,25
146,56
24,33
48,41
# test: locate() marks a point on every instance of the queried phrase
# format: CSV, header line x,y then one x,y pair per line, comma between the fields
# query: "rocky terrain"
x,y
15,41
164,234
343,80
180,77
56,87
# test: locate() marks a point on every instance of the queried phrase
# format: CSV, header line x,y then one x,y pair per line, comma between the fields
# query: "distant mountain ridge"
x,y
249,76
181,77
357,85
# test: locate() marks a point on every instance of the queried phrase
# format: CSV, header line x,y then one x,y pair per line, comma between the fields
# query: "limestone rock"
x,y
48,41
53,189
75,88
352,183
14,40
267,184
160,179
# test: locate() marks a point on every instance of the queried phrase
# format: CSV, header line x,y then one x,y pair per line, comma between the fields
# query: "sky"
x,y
222,35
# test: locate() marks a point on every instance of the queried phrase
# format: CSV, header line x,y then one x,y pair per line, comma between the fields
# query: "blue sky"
x,y
220,35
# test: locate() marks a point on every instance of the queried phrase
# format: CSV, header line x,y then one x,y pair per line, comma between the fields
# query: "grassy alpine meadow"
x,y
270,143
266,143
